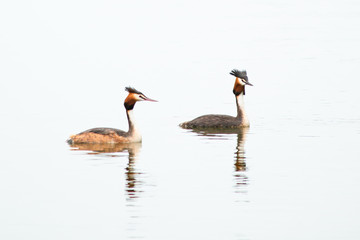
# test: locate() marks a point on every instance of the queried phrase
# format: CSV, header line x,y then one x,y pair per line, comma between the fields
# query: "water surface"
x,y
292,175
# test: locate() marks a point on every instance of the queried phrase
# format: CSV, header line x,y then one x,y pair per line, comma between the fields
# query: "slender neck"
x,y
133,135
241,115
131,121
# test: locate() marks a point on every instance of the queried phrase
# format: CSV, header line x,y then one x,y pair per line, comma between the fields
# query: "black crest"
x,y
132,90
239,74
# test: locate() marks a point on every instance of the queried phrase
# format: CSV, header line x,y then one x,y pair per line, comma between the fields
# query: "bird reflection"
x,y
240,162
240,168
131,173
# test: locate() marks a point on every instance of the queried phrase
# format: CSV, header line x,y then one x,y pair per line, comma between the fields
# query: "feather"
x,y
239,74
132,90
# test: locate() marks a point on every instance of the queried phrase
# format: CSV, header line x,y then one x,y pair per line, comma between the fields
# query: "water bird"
x,y
226,121
113,135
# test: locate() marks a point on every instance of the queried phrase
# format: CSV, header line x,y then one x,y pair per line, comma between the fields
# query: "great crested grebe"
x,y
113,135
225,121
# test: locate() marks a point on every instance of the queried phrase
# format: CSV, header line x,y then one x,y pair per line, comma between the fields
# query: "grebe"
x,y
225,121
112,135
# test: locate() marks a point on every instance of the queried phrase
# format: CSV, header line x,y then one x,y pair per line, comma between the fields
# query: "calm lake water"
x,y
294,174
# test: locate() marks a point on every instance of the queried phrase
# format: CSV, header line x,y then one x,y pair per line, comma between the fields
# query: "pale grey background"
x,y
64,66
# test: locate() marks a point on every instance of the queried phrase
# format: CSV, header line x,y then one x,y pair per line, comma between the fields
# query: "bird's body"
x,y
113,135
105,135
226,121
213,121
